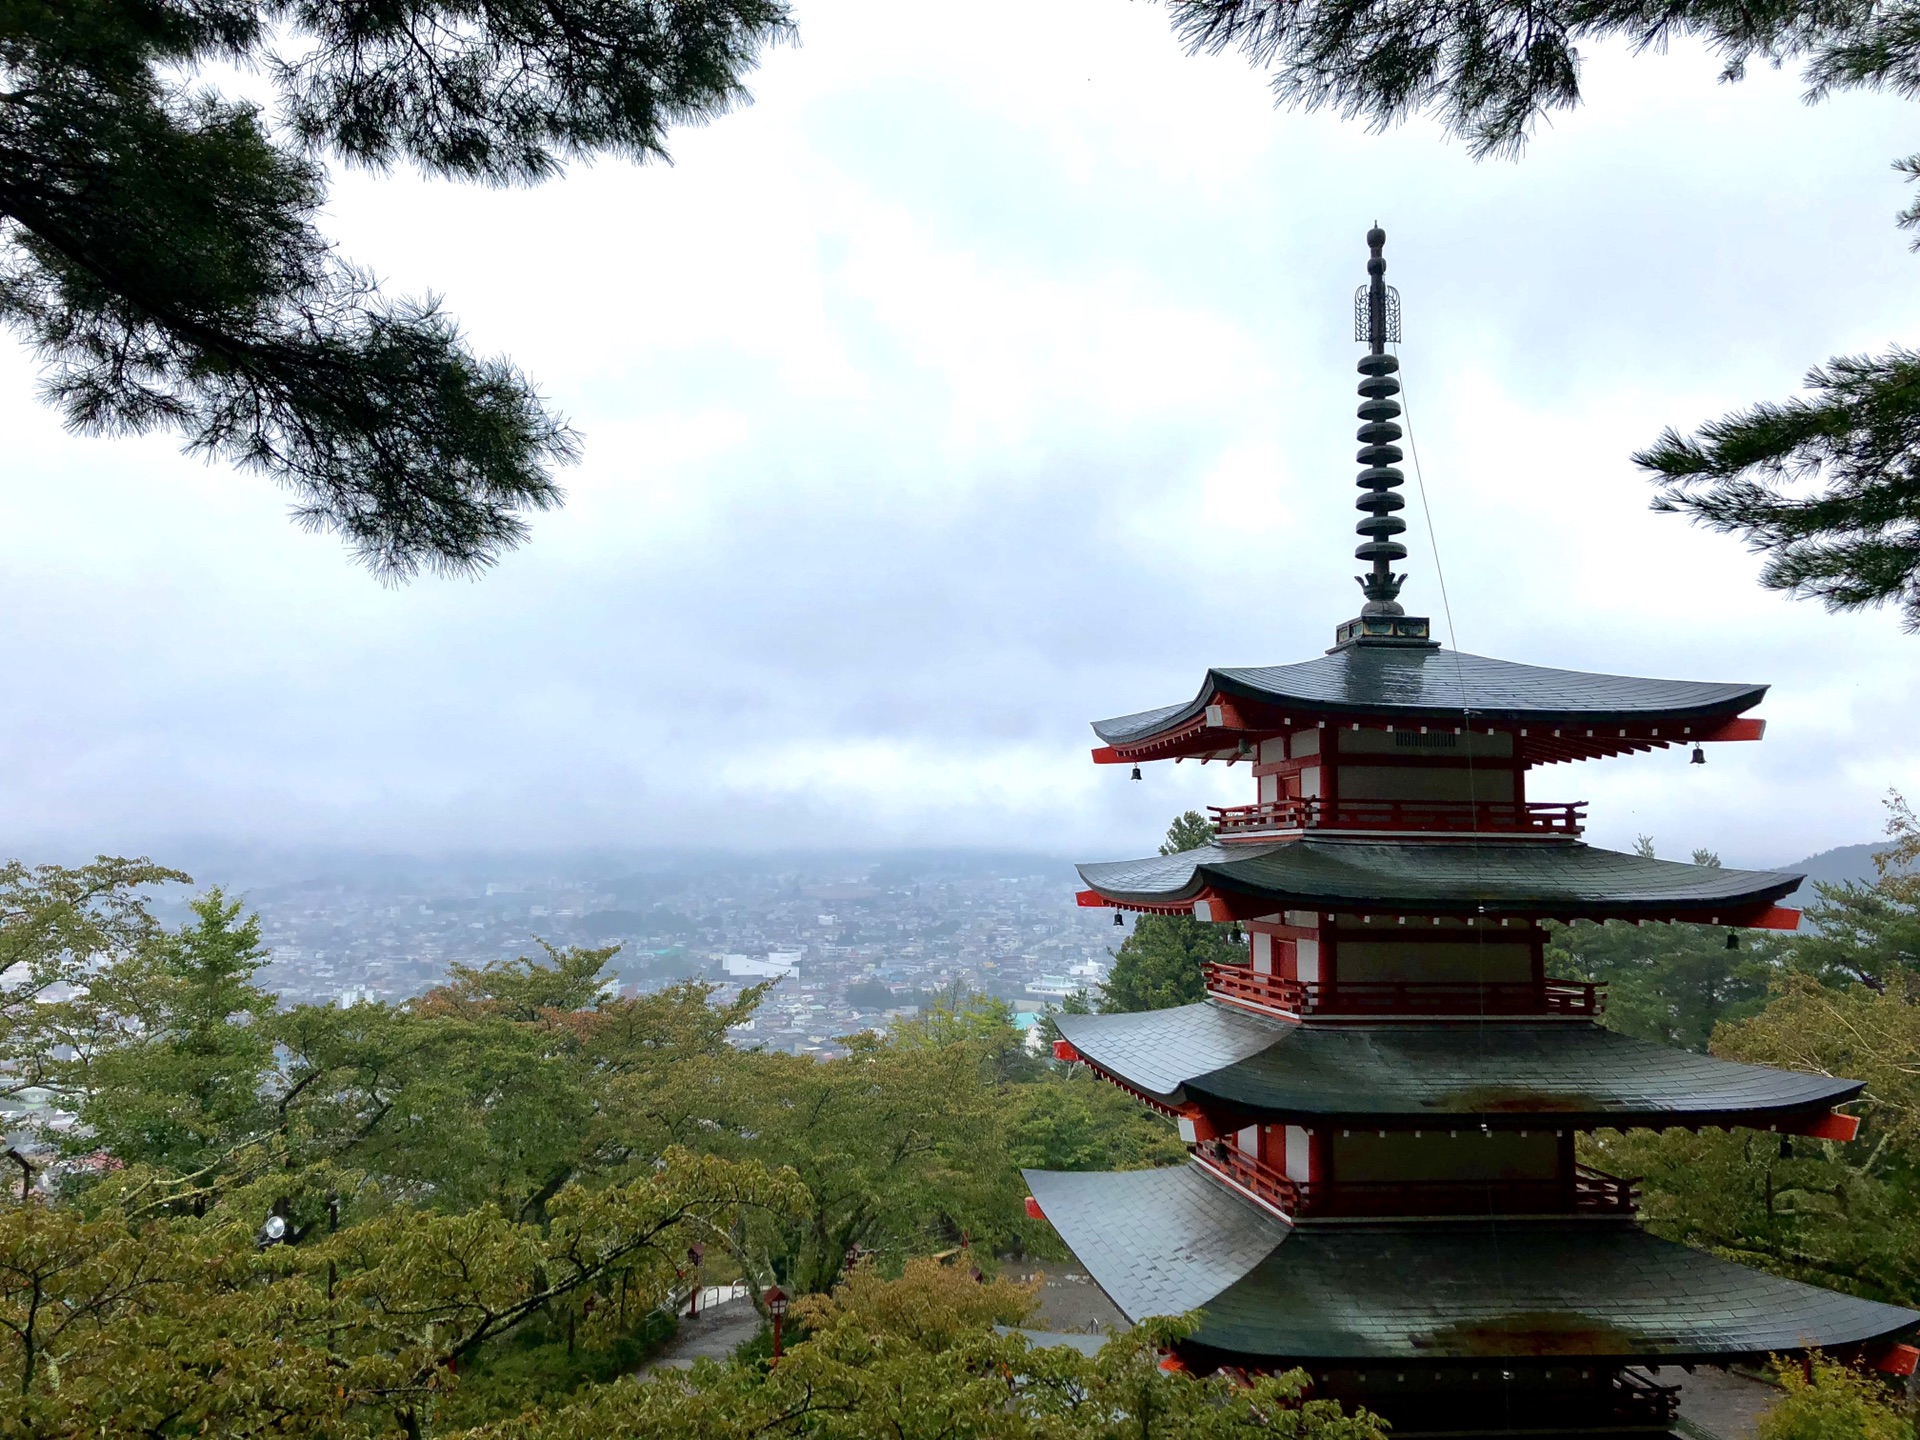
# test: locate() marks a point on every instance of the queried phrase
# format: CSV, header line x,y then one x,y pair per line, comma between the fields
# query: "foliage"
x,y
1668,983
918,1358
184,1079
898,1144
1160,963
1870,935
487,1194
57,927
1075,1122
184,1326
1847,1215
1825,486
1490,73
1827,1401
163,261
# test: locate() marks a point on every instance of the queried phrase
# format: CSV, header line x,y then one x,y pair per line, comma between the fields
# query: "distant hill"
x,y
1835,867
1832,867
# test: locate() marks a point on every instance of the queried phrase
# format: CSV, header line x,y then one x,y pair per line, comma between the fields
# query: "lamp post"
x,y
775,1300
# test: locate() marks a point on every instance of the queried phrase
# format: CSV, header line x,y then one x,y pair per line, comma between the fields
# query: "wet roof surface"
x,y
1440,877
1442,683
1443,1072
1154,1240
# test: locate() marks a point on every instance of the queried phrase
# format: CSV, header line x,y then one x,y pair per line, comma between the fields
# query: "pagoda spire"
x,y
1376,321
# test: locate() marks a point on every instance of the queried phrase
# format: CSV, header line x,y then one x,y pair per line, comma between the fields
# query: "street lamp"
x,y
775,1299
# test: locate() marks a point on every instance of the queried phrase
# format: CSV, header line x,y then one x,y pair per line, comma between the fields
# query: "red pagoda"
x,y
1381,1103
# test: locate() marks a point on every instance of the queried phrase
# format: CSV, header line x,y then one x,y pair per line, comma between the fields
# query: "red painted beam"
x,y
1776,917
1063,1050
1741,729
1034,1212
1830,1126
1107,755
1894,1359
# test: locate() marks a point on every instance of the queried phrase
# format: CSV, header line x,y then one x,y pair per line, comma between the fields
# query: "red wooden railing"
x,y
1406,997
1270,1185
1484,816
1589,1191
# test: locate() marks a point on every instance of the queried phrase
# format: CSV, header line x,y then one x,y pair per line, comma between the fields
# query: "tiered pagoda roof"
x,y
1486,879
1166,1241
1565,714
1453,1075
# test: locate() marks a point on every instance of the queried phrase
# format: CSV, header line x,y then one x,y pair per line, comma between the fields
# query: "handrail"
x,y
1269,1185
1587,1191
1406,997
1453,816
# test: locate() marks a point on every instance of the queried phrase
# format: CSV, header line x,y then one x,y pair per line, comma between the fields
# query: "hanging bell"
x,y
1786,1148
1118,918
1699,756
1136,772
1733,940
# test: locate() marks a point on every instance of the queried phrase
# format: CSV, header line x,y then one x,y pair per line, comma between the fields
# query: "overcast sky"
x,y
991,373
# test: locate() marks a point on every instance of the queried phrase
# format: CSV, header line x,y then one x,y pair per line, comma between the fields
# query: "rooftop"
x,y
1443,685
1443,1073
1162,1242
1496,879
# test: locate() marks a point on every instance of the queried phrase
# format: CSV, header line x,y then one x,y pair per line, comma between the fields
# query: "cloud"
x,y
961,390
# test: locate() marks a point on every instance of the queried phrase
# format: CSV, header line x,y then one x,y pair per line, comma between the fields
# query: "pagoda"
x,y
1381,1103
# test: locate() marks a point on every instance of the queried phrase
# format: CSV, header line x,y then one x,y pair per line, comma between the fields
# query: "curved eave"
x,y
1247,711
1240,1068
1477,881
1164,1242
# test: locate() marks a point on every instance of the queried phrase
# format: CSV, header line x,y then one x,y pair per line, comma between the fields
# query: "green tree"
x,y
1829,1401
1870,934
1825,486
1160,963
899,1143
58,928
122,1327
185,1083
1668,983
919,1357
163,260
1075,1122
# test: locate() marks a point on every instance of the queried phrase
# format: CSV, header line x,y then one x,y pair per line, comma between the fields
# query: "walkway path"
x,y
713,1334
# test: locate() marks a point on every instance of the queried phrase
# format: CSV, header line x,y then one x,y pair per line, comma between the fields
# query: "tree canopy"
x,y
1162,962
160,252
1825,486
1842,998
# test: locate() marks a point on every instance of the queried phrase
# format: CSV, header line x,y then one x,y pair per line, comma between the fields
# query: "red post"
x,y
776,1303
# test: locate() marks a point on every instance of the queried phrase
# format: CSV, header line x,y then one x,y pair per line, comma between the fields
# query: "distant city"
x,y
852,942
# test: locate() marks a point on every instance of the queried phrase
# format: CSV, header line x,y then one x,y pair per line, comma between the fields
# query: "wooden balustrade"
x,y
1406,997
1587,1191
1493,817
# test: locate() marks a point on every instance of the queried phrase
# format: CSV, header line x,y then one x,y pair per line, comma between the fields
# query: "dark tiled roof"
x,y
1441,877
1443,683
1426,1291
1159,1242
1444,1073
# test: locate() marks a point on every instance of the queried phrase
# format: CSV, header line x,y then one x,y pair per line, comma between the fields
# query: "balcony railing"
x,y
1641,1401
1587,1192
1487,817
1586,998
